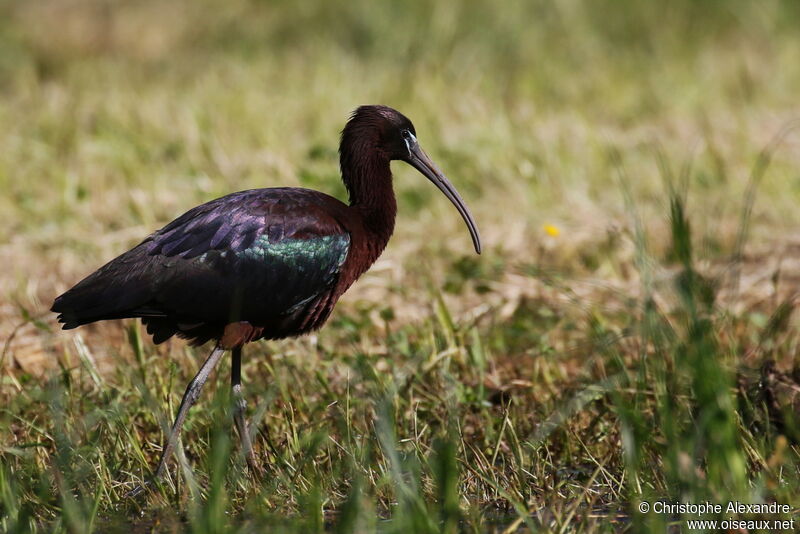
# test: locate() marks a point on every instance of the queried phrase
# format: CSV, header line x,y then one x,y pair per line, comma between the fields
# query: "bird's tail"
x,y
105,294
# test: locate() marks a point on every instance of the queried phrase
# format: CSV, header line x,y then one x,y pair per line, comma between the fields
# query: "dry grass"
x,y
554,382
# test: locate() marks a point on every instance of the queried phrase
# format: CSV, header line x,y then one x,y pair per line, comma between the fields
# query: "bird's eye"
x,y
406,134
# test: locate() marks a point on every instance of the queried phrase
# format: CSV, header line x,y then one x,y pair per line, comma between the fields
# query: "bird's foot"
x,y
138,490
253,466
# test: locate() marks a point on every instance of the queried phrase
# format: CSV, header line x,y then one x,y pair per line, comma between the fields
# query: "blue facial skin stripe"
x,y
408,144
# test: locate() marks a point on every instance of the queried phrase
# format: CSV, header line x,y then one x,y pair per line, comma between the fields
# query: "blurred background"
x,y
117,116
570,127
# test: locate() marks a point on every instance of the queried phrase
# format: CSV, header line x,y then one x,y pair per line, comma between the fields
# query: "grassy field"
x,y
626,337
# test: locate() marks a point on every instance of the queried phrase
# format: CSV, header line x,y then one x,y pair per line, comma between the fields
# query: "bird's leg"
x,y
239,407
189,398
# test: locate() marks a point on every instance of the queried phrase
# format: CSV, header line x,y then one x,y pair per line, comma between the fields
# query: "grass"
x,y
627,336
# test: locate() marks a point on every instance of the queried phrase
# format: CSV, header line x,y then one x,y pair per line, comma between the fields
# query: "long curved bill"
x,y
422,162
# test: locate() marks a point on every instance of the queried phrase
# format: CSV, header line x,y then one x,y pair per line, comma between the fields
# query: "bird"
x,y
265,263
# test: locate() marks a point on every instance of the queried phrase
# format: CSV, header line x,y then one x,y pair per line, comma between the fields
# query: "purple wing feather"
x,y
254,255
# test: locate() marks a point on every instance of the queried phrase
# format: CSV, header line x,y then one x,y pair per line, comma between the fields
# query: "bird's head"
x,y
390,135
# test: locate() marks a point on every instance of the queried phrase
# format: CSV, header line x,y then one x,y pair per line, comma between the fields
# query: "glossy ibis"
x,y
264,263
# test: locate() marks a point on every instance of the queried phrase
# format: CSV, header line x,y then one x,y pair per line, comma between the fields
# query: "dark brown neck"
x,y
369,183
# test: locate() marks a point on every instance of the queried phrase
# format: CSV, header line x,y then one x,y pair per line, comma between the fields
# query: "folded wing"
x,y
256,256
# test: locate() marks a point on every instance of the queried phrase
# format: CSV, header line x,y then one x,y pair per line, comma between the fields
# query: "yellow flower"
x,y
551,230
